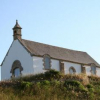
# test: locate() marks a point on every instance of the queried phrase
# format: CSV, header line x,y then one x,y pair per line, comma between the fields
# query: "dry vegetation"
x,y
51,86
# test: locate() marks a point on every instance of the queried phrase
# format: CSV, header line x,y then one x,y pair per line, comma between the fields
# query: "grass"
x,y
51,85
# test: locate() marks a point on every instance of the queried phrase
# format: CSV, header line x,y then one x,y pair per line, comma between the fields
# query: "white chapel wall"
x,y
88,69
39,67
55,64
98,71
16,52
67,65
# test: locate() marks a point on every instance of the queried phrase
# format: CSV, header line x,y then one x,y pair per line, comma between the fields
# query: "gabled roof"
x,y
59,53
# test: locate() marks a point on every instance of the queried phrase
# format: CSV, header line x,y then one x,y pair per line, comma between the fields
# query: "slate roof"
x,y
59,53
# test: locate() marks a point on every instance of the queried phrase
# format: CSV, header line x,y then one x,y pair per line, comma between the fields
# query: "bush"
x,y
46,82
52,74
55,83
74,85
89,86
26,84
94,78
80,77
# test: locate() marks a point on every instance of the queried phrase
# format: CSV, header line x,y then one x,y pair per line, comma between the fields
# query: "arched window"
x,y
16,69
72,70
47,62
16,72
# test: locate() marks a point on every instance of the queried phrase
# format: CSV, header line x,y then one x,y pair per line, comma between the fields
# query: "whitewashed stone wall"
x,y
16,52
55,64
88,70
38,65
98,71
77,67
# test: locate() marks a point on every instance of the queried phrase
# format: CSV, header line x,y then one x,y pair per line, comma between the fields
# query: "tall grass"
x,y
51,85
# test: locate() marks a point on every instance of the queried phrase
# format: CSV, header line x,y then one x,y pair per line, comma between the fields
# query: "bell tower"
x,y
17,31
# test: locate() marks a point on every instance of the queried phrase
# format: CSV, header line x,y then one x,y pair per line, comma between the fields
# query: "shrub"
x,y
94,78
55,83
26,84
74,85
52,74
46,82
89,86
80,77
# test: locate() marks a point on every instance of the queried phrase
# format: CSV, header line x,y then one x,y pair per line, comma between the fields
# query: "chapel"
x,y
26,57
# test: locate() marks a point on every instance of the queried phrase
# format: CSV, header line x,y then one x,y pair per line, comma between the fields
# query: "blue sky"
x,y
73,24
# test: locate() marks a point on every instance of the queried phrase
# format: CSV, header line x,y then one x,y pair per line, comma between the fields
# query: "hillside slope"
x,y
51,85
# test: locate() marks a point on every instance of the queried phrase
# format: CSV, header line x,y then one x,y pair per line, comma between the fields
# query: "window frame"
x,y
62,67
93,73
74,70
16,64
46,55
